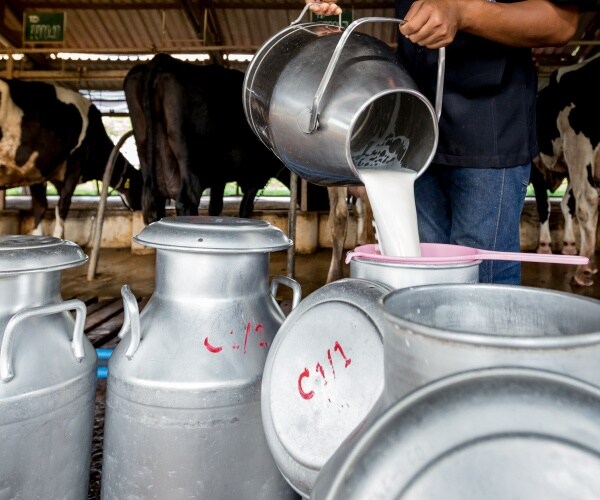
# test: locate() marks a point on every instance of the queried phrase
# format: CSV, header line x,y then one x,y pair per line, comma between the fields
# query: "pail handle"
x,y
289,282
316,105
131,321
306,7
6,355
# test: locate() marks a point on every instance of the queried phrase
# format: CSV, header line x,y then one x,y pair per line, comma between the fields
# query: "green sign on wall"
x,y
346,18
42,27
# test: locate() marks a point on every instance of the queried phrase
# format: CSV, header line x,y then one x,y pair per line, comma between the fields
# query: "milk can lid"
x,y
209,234
323,375
449,437
27,254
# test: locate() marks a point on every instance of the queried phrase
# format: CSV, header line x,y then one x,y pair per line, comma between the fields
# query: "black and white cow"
x,y
49,133
544,180
191,134
569,139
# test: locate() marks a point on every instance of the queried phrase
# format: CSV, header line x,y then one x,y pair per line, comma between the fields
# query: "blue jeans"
x,y
476,207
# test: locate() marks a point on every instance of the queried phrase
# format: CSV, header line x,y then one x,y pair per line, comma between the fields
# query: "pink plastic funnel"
x,y
440,253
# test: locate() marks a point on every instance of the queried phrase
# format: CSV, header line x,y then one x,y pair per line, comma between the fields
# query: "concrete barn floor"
x,y
119,267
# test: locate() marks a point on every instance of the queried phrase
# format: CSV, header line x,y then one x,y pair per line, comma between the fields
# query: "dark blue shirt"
x,y
488,108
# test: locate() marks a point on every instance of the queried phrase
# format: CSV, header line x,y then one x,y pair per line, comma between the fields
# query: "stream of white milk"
x,y
392,197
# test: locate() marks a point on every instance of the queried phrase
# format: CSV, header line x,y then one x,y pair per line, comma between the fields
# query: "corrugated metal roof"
x,y
224,26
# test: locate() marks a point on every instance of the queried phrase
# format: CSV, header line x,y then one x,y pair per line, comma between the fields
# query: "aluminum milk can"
x,y
47,373
436,330
183,415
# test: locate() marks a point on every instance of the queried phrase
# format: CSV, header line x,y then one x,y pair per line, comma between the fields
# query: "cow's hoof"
x,y
589,270
582,279
544,248
569,249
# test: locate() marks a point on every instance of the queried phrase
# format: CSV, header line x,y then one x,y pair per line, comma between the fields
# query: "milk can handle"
x,y
131,321
6,369
289,282
316,106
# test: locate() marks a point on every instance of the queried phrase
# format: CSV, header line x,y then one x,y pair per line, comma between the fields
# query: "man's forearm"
x,y
530,23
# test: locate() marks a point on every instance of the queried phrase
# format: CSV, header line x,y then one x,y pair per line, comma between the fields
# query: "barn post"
x,y
97,227
9,75
291,254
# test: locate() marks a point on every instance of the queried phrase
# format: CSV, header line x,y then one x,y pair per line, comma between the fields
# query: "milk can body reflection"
x,y
47,373
183,407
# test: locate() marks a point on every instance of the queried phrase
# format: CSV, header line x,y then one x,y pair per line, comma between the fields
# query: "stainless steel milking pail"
x,y
183,416
438,330
329,102
47,373
397,274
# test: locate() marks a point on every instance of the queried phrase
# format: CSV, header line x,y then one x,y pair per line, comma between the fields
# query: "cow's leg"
x,y
364,214
174,102
247,203
59,224
39,206
65,190
368,235
543,209
545,237
338,224
153,205
567,206
215,204
587,216
190,191
187,201
579,157
361,223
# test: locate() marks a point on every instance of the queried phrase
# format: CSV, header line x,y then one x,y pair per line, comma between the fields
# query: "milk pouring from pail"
x,y
47,373
183,413
336,107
